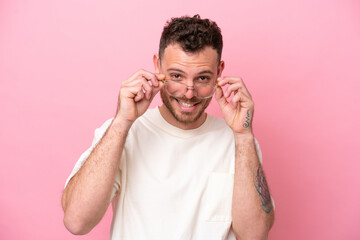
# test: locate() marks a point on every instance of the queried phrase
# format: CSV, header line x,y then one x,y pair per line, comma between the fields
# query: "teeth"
x,y
186,104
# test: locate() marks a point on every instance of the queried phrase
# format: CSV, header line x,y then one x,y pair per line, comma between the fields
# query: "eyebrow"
x,y
179,70
175,69
206,71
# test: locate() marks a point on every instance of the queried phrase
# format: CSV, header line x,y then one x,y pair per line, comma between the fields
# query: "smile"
x,y
186,104
187,107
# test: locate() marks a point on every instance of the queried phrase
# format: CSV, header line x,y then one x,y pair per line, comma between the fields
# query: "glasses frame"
x,y
190,88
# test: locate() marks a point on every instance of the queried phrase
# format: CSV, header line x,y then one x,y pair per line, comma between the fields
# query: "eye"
x,y
175,76
204,79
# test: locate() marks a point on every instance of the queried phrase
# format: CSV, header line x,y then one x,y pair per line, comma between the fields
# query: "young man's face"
x,y
188,68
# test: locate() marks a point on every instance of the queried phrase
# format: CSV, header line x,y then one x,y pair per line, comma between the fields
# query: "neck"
x,y
166,114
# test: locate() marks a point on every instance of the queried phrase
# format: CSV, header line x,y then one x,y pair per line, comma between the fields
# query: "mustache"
x,y
189,101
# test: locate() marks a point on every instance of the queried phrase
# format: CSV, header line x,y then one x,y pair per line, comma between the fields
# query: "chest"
x,y
160,166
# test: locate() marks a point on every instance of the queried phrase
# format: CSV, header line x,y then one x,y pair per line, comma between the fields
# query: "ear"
x,y
156,61
220,68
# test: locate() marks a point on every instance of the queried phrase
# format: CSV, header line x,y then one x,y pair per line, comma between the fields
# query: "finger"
x,y
235,90
149,83
243,99
219,96
135,93
149,76
232,88
236,99
155,90
147,89
228,80
231,80
134,82
142,84
139,96
139,75
160,76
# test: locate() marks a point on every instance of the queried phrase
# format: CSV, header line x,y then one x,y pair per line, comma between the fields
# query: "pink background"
x,y
61,64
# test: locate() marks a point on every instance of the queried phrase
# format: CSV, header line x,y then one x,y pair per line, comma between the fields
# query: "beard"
x,y
185,117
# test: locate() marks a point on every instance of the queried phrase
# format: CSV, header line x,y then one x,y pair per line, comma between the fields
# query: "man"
x,y
175,172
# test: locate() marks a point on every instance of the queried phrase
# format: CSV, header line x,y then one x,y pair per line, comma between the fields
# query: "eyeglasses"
x,y
179,89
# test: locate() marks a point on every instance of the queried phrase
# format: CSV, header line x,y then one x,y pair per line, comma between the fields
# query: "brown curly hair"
x,y
192,33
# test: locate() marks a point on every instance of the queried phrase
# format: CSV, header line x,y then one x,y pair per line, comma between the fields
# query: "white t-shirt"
x,y
173,183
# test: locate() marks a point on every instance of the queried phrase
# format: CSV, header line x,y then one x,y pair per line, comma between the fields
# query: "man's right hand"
x,y
95,179
136,94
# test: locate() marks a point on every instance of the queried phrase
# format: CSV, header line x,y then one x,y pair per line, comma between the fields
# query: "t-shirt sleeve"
x,y
99,133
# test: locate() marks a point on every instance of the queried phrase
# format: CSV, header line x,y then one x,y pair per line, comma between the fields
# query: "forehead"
x,y
175,56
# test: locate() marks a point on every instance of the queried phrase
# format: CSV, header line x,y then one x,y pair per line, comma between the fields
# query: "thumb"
x,y
155,90
160,76
219,96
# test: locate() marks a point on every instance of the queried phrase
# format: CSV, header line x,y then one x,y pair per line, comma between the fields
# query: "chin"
x,y
182,113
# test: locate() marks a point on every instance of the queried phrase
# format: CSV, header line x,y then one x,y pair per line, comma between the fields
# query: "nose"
x,y
189,92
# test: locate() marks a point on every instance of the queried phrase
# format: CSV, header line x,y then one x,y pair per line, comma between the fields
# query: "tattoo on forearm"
x,y
247,122
263,190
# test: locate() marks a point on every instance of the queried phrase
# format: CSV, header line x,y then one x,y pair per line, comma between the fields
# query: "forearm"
x,y
87,196
252,211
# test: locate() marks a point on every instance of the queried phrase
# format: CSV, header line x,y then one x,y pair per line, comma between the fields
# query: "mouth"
x,y
187,107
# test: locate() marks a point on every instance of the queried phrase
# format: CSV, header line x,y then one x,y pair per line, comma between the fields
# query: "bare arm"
x,y
87,195
252,212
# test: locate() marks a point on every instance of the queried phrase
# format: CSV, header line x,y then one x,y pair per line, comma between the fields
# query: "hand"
x,y
237,112
136,94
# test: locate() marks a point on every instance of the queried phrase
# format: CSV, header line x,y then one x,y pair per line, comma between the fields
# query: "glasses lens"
x,y
178,89
204,90
175,89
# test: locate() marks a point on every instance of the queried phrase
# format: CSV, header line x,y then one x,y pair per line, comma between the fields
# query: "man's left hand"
x,y
238,111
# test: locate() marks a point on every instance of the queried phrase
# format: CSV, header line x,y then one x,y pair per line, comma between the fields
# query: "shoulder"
x,y
100,131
